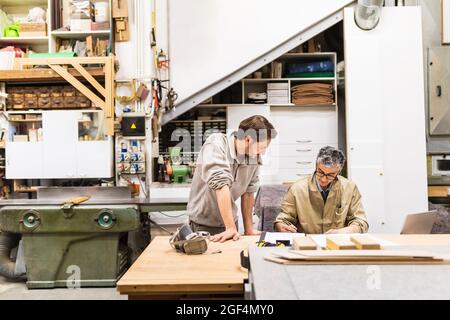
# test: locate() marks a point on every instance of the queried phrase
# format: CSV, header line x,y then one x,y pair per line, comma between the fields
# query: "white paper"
x,y
273,237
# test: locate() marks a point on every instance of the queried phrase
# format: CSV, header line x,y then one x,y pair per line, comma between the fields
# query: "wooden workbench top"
x,y
160,270
417,239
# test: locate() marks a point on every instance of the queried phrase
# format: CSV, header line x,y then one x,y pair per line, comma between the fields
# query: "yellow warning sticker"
x,y
133,126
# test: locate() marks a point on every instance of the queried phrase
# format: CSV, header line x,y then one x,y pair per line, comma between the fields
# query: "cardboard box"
x,y
80,25
31,29
15,117
32,116
100,25
20,138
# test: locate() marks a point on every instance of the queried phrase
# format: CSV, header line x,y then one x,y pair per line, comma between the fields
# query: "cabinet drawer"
x,y
274,164
286,175
298,150
297,162
305,139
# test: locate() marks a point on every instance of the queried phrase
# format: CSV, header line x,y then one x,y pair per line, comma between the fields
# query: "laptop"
x,y
419,223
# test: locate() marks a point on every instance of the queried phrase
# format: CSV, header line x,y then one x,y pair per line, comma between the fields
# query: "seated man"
x,y
323,202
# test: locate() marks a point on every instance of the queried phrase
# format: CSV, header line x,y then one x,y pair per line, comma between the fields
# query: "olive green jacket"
x,y
303,206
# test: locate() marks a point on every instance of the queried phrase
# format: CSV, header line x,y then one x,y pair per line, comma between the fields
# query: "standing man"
x,y
324,202
227,168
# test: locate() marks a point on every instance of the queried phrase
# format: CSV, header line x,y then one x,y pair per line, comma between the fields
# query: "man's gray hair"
x,y
329,157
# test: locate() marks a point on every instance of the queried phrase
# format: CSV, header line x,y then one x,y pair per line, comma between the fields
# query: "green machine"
x,y
180,171
70,246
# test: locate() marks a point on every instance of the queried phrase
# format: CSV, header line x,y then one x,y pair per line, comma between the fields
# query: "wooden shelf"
x,y
307,56
26,190
42,75
25,40
13,3
26,120
287,79
80,34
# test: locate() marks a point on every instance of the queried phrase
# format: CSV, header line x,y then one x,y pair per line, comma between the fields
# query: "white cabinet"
x,y
62,154
94,159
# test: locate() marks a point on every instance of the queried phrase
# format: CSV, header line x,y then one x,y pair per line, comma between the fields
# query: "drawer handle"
x,y
304,141
303,150
304,162
302,174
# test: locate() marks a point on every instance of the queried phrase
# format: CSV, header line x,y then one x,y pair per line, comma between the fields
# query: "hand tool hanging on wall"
x,y
126,100
153,39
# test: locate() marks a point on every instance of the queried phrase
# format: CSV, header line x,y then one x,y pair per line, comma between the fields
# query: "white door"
x,y
94,159
386,115
59,137
24,160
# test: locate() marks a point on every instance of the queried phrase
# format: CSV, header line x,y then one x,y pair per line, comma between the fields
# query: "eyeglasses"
x,y
330,177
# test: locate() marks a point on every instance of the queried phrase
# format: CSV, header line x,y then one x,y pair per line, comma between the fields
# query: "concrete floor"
x,y
19,291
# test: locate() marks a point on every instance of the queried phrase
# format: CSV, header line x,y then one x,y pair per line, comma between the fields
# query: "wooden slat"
x,y
78,85
42,75
304,243
45,61
338,243
364,242
89,78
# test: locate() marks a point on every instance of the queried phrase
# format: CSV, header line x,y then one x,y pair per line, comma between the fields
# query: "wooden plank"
x,y
300,262
109,96
89,78
78,85
304,243
438,191
364,242
338,243
28,75
46,61
357,254
162,270
109,83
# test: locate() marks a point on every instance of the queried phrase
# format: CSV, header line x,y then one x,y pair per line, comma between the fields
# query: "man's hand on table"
x,y
229,233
